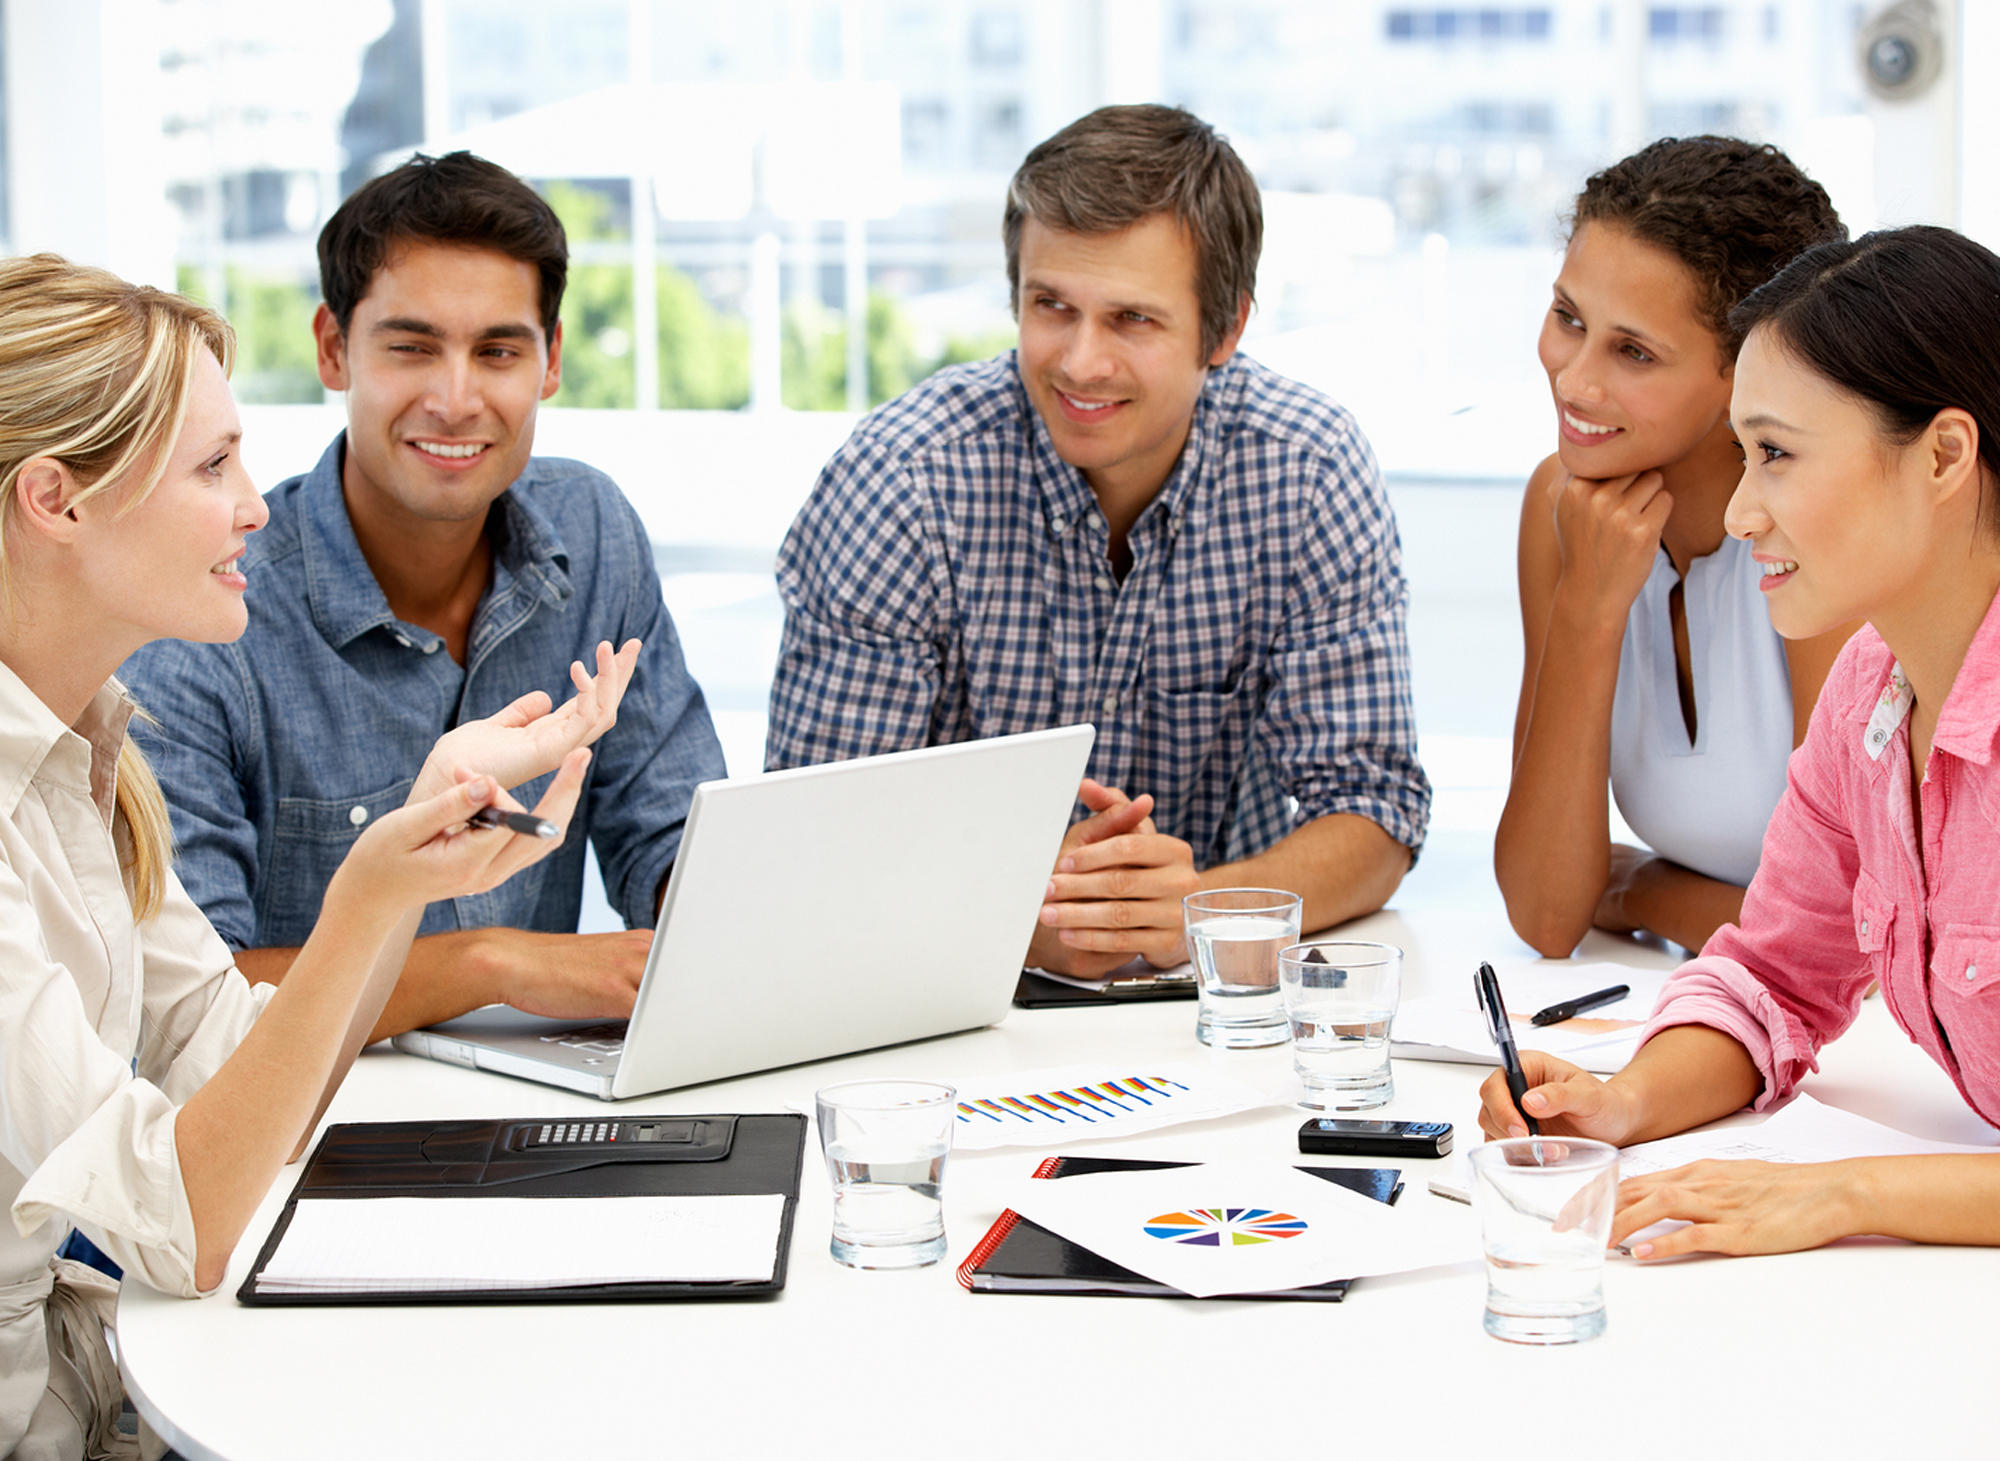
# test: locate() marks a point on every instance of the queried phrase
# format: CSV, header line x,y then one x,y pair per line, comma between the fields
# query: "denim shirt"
x,y
275,751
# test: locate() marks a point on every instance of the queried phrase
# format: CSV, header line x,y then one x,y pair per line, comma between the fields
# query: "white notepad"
x,y
445,1245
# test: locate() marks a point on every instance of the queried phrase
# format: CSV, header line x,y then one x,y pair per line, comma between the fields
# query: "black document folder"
x,y
1039,992
1019,1256
595,1157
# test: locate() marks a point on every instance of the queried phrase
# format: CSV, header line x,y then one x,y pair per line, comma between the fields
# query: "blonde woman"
x,y
148,1095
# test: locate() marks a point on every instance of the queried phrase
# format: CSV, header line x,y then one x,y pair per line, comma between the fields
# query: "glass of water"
x,y
1234,937
1340,999
885,1144
1545,1207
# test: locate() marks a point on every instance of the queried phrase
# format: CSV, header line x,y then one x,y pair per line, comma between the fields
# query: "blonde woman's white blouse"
x,y
105,1029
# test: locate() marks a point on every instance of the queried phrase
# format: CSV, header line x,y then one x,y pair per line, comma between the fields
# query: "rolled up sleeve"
x,y
1338,723
861,668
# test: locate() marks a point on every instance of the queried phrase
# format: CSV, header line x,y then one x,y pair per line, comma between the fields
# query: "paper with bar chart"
x,y
1045,1108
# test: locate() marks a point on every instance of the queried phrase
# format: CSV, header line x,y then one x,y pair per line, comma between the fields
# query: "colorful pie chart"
x,y
1224,1227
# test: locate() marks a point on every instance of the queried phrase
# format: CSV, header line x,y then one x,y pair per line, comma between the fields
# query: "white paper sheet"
x,y
1044,1108
1245,1227
1804,1131
437,1245
1449,1026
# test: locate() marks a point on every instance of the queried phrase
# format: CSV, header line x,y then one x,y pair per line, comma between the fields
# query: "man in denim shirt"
x,y
429,571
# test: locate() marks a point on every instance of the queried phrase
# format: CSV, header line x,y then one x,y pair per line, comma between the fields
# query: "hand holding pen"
x,y
524,824
1486,987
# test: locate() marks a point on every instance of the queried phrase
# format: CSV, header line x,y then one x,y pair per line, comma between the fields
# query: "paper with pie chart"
x,y
1246,1227
1050,1108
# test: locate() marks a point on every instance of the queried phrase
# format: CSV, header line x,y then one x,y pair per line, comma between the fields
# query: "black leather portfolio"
x,y
605,1158
1035,991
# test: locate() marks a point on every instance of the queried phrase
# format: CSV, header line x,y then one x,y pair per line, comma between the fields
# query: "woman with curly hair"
x,y
1649,659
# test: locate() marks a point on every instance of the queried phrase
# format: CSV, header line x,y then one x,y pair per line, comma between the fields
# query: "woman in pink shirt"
x,y
1867,399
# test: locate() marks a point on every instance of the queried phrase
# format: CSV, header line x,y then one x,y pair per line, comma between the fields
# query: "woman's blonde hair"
x,y
96,373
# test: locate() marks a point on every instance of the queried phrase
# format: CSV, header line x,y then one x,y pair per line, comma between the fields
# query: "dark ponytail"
x,y
1905,319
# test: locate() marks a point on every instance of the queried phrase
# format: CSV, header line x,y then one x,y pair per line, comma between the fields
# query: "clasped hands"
x,y
1116,890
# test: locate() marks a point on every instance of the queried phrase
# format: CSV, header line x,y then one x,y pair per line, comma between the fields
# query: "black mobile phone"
x,y
1421,1139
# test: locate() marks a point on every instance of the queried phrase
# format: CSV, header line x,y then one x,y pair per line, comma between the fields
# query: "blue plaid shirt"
x,y
948,579
275,751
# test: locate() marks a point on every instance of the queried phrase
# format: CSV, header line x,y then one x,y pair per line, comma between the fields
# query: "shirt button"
x,y
1971,971
432,647
1105,584
1864,928
1060,525
1110,703
1095,521
404,640
358,815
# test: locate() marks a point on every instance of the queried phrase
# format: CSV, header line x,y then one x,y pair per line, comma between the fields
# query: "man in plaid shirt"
x,y
1125,522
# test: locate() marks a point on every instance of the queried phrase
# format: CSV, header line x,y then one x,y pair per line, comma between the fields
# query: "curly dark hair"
x,y
1733,212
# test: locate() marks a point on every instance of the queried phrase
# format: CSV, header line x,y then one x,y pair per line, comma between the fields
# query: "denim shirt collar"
x,y
345,599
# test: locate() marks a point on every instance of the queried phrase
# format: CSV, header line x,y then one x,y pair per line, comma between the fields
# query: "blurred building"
x,y
1417,161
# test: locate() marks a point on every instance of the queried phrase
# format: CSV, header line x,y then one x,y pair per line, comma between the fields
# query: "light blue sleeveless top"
x,y
1703,806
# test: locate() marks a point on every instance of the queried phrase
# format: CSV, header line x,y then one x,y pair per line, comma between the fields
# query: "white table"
x,y
1865,1346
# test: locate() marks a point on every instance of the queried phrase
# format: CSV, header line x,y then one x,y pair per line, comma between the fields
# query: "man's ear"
x,y
1227,348
42,491
329,349
552,377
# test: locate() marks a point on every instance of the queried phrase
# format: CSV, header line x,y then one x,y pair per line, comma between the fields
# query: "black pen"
x,y
1486,985
1569,1009
525,823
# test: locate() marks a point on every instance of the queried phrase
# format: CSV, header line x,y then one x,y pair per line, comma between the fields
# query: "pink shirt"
x,y
1841,896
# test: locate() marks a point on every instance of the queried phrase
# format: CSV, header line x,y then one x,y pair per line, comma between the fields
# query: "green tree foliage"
x,y
959,349
272,316
597,368
704,355
815,355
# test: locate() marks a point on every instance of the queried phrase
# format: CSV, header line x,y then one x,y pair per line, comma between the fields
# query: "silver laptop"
x,y
816,912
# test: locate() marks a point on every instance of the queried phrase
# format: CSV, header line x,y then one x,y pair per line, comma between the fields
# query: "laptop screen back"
x,y
834,908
